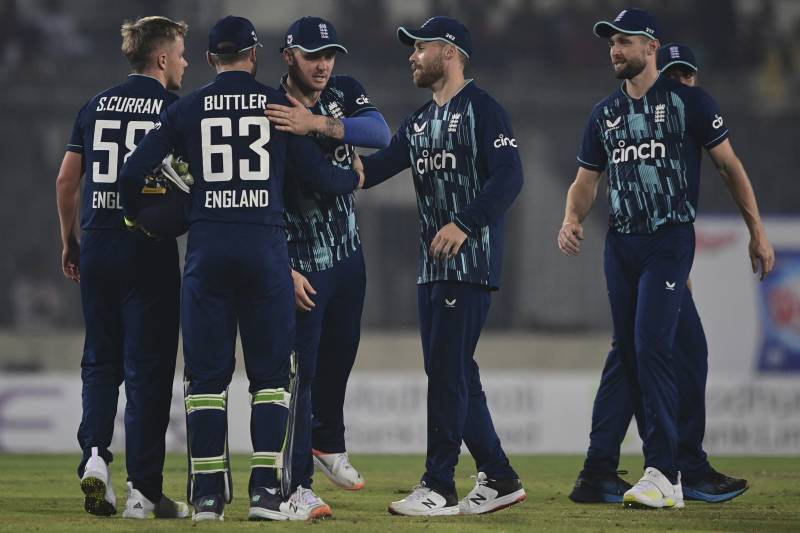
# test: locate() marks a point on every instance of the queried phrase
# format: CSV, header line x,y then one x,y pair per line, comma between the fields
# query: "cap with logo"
x,y
312,34
631,21
444,29
675,54
231,35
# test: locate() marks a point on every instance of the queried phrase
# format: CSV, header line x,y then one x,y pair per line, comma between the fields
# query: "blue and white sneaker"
x,y
714,487
99,498
424,501
592,488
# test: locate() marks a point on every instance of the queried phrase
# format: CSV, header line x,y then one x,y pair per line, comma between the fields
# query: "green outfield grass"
x,y
41,493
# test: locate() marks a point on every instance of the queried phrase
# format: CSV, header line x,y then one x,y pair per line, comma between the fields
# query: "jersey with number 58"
x,y
237,158
106,132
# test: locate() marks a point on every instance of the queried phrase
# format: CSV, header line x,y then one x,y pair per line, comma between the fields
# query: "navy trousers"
x,y
451,316
613,407
130,288
326,343
646,277
236,274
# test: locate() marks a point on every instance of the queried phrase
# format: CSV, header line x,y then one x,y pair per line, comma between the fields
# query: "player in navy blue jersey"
x,y
237,266
599,482
467,171
129,284
648,136
324,247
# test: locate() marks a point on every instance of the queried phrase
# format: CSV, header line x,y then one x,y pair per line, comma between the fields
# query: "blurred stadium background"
x,y
549,328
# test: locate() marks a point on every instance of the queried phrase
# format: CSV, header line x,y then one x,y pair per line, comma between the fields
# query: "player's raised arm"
x,y
316,171
730,168
153,148
580,197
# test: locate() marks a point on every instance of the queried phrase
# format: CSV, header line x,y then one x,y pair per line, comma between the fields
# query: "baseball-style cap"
x,y
237,31
675,54
312,34
631,21
444,29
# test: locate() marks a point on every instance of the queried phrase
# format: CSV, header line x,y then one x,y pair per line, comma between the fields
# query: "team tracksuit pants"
x,y
326,343
130,287
451,316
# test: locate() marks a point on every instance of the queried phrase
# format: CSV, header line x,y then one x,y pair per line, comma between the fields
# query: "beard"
x,y
429,75
632,68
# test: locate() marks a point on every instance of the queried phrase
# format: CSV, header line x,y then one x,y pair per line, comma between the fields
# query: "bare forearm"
x,y
67,198
580,198
735,178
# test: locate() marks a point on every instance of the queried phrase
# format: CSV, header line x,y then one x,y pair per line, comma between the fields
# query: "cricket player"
x,y
598,482
467,171
129,284
648,137
324,247
237,265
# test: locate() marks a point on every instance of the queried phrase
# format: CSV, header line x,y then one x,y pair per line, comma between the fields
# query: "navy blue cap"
x,y
631,21
235,30
444,29
312,34
675,54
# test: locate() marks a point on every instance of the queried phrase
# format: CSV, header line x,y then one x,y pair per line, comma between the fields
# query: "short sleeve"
x,y
497,146
592,155
356,100
705,122
75,143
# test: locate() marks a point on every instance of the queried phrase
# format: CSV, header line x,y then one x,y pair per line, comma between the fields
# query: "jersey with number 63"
x,y
237,158
106,132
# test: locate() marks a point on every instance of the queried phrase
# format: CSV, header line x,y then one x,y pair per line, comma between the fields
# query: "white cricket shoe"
x,y
424,501
138,506
654,491
490,495
304,504
96,484
337,468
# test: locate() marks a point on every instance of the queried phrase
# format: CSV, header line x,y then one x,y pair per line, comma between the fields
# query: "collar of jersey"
x,y
466,83
136,76
658,81
243,74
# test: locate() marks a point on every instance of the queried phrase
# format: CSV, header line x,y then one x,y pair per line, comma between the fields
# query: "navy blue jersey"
x,y
106,131
322,229
237,157
651,150
467,170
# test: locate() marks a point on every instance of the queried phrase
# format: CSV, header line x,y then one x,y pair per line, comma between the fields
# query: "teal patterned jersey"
x,y
651,149
321,230
467,170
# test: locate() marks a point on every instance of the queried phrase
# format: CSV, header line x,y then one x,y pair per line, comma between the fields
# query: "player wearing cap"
x,y
598,482
129,284
237,266
648,137
324,246
467,172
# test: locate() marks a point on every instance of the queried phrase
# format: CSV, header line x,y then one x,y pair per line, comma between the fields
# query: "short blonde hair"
x,y
141,38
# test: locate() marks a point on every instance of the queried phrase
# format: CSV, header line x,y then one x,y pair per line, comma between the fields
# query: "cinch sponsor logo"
x,y
502,140
341,153
363,99
717,123
441,160
642,151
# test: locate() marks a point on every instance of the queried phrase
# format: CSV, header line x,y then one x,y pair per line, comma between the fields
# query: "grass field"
x,y
41,493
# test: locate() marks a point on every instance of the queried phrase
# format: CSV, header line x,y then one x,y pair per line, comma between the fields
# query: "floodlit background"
x,y
549,328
